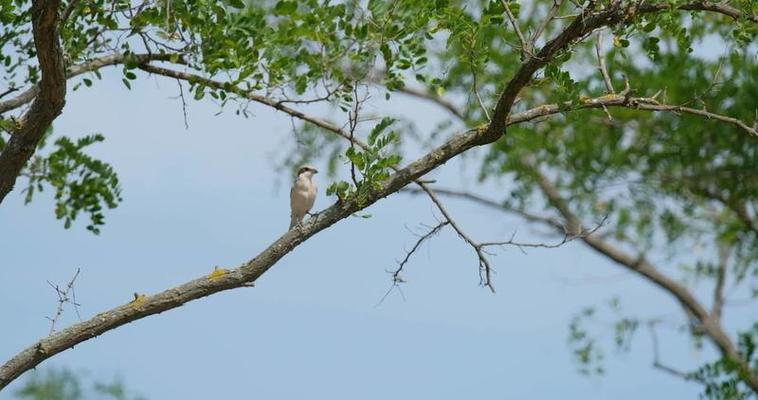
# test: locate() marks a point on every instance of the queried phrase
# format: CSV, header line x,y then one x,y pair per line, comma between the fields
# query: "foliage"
x,y
722,378
64,384
81,183
372,164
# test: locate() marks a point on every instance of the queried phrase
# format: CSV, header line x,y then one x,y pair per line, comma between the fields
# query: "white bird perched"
x,y
303,194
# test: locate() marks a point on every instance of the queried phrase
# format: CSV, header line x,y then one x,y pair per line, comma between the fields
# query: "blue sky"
x,y
311,328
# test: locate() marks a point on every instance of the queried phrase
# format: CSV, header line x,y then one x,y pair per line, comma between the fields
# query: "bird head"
x,y
308,170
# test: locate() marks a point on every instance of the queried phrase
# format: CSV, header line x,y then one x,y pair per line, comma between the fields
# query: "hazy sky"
x,y
311,328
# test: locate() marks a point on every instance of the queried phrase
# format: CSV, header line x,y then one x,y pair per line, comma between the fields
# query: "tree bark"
x,y
49,102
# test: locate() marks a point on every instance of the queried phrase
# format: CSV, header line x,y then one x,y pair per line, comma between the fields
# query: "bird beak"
x,y
315,171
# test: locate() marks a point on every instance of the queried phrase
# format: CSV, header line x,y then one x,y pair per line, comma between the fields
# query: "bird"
x,y
302,194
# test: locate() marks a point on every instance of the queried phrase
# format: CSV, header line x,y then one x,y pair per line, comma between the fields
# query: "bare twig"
x,y
422,238
485,269
525,54
545,22
475,88
65,296
9,91
396,278
184,104
601,63
665,368
352,126
567,237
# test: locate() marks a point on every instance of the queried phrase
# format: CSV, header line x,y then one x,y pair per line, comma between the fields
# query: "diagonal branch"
x,y
49,102
89,66
221,280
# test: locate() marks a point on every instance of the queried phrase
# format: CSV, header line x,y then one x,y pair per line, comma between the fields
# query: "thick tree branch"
x,y
89,66
48,103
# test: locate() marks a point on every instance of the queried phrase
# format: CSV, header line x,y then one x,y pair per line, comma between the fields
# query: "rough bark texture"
x,y
48,103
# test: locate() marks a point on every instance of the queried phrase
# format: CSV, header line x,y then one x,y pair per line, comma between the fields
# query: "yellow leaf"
x,y
616,41
217,273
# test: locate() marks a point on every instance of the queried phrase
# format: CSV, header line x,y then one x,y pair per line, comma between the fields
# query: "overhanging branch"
x,y
48,103
95,64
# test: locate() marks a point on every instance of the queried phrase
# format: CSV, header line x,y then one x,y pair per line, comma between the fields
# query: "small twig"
x,y
601,64
479,98
9,91
568,237
665,368
549,17
396,274
67,295
485,269
396,278
524,48
184,103
352,126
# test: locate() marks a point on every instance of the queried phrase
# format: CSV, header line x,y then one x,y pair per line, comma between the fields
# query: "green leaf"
x,y
285,7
